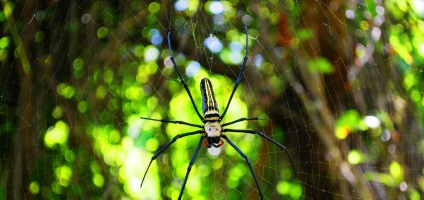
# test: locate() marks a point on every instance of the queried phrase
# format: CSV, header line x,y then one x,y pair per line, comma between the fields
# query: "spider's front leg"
x,y
165,147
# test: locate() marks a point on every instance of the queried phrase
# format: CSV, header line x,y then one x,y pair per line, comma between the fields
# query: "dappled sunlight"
x,y
58,134
94,94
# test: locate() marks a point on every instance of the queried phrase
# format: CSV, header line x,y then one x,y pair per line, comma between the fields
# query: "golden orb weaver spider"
x,y
212,129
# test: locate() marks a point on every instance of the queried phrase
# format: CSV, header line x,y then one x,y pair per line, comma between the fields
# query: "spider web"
x,y
339,84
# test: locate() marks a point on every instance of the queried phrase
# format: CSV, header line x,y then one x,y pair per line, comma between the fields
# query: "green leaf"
x,y
102,32
320,65
396,170
4,42
355,157
347,122
304,34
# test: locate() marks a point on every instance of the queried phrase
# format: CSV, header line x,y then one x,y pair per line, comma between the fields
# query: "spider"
x,y
212,130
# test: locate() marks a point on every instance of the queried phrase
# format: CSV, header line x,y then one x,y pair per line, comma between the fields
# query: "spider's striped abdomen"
x,y
209,105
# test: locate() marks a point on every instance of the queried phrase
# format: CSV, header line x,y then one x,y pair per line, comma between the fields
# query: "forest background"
x,y
340,84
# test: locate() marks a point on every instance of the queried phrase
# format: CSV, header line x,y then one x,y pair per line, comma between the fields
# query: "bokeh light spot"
x,y
193,68
216,7
372,121
214,151
34,187
181,5
102,32
213,44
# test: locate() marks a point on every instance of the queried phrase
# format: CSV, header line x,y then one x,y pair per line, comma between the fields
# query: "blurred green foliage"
x,y
97,67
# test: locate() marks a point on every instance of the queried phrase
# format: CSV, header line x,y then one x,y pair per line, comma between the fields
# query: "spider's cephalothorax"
x,y
212,130
211,116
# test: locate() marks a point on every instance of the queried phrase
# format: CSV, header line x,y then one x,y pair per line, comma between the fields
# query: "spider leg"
x,y
174,122
266,137
166,146
247,161
242,119
238,77
182,79
190,165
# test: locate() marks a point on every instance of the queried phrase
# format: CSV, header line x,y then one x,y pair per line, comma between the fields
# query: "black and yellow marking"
x,y
209,105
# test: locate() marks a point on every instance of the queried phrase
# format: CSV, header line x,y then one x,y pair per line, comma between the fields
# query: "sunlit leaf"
x,y
347,122
396,170
66,90
102,32
152,145
383,178
410,80
414,195
78,64
304,34
284,187
154,7
139,50
34,187
320,65
58,134
63,175
98,180
296,191
57,112
4,42
355,157
82,106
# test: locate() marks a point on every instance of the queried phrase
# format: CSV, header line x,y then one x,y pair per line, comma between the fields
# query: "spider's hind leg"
x,y
267,138
193,159
247,161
